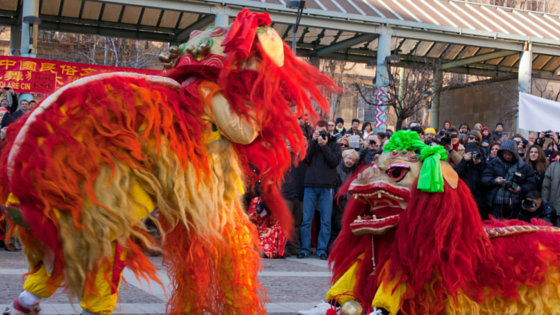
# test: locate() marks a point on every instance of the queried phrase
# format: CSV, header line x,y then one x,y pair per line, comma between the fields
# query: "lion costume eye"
x,y
398,171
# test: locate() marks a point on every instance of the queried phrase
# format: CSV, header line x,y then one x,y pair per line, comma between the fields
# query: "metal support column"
x,y
437,83
382,81
525,73
15,41
30,28
221,19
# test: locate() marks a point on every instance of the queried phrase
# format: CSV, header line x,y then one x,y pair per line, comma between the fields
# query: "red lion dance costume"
x,y
81,172
413,243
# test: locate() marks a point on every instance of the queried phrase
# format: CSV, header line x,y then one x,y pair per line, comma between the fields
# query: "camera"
x,y
445,141
528,203
417,129
476,155
547,133
371,141
513,184
5,88
323,134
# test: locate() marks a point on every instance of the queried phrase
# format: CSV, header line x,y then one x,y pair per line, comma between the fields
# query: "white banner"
x,y
538,114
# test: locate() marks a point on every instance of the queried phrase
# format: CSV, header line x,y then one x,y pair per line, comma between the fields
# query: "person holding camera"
x,y
470,170
521,145
429,136
323,156
509,178
545,135
533,207
370,150
455,150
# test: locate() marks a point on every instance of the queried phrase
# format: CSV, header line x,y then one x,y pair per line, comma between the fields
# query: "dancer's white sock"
x,y
28,298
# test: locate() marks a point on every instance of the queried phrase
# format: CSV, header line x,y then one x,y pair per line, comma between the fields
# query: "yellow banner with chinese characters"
x,y
42,76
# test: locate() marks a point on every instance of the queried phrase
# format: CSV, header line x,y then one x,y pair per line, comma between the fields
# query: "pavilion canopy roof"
x,y
464,37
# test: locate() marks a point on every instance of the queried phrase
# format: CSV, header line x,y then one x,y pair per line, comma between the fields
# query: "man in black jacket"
x,y
497,134
292,191
509,178
323,156
470,170
535,208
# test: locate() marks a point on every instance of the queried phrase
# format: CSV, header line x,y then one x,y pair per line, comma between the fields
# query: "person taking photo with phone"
x,y
508,178
533,207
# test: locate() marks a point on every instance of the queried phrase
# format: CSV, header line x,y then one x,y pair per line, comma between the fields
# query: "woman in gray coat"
x,y
551,184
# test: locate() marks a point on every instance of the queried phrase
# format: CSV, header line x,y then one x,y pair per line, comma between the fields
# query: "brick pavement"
x,y
281,277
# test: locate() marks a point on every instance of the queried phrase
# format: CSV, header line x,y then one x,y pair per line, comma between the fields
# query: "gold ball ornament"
x,y
163,57
174,50
352,308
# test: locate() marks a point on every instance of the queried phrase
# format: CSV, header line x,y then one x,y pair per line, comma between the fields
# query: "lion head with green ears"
x,y
385,186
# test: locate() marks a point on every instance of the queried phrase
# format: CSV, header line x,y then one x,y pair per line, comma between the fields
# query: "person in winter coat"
x,y
371,149
538,162
497,134
446,126
455,151
366,130
538,210
339,128
508,178
323,156
292,191
345,170
551,186
493,151
355,131
470,170
464,128
487,139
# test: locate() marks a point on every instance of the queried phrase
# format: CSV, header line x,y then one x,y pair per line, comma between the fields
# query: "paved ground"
x,y
292,284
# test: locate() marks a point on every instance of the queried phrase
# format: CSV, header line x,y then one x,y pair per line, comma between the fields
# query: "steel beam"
x,y
360,24
346,43
183,36
477,59
100,23
104,31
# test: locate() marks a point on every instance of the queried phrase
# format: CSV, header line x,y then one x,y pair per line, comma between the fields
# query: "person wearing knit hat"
x,y
487,139
505,136
429,135
508,178
339,129
470,170
464,128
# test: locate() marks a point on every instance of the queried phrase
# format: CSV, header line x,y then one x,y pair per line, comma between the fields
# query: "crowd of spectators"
x,y
10,111
510,177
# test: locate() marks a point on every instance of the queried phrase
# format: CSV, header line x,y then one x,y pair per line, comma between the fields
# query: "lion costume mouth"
x,y
385,203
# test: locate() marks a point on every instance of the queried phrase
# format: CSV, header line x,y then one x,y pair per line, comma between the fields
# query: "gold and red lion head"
x,y
415,231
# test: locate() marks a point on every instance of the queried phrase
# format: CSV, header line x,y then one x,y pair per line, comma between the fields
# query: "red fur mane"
x,y
442,249
273,92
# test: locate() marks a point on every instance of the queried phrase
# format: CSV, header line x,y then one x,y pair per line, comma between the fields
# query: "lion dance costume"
x,y
81,171
413,243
